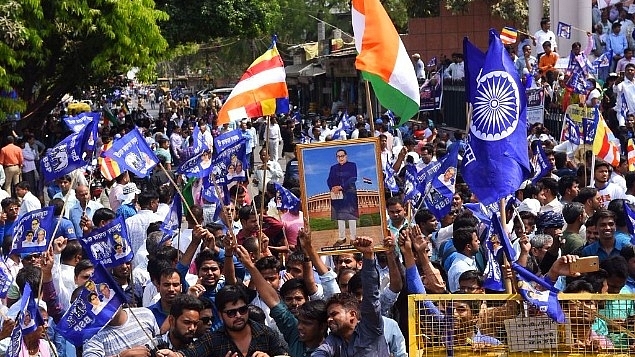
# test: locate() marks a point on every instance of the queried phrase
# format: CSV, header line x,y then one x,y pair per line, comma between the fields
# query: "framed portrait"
x,y
342,192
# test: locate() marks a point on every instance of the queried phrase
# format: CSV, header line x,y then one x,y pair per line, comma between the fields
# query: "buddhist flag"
x,y
630,150
261,91
604,145
383,60
108,167
509,35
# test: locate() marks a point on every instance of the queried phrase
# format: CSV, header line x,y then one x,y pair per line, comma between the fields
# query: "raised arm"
x,y
371,322
267,293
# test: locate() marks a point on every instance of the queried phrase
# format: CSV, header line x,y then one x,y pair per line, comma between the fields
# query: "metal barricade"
x,y
504,325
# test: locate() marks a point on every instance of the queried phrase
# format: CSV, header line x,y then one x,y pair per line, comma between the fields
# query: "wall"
x,y
443,35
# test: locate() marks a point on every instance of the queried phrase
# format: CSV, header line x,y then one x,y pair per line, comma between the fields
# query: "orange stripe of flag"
x,y
262,66
268,91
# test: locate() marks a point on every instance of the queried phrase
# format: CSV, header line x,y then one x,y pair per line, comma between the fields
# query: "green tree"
x,y
73,44
515,11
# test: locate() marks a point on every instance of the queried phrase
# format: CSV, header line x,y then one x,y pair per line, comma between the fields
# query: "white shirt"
x,y
542,36
29,203
461,264
137,226
628,88
610,192
456,71
274,132
274,173
554,205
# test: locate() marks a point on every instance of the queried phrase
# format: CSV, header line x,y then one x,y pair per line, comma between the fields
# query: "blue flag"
x,y
28,319
108,245
76,124
472,67
285,199
6,279
440,187
172,222
506,244
33,231
494,165
541,164
538,293
589,126
389,178
630,222
572,131
231,162
412,188
343,127
492,275
197,166
604,60
216,193
578,73
564,30
69,154
95,306
199,141
133,154
226,140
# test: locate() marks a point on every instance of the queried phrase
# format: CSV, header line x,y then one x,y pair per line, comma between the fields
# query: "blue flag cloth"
x,y
133,154
604,60
630,221
343,127
440,188
197,166
76,124
15,344
285,199
95,306
199,141
480,211
68,154
108,245
538,293
572,131
33,231
564,30
216,193
590,126
472,67
389,178
225,140
578,73
494,165
506,244
412,187
28,319
492,275
231,162
541,164
624,108
6,279
172,222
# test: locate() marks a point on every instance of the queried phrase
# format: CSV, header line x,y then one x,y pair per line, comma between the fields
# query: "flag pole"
x,y
264,188
370,109
179,192
583,145
223,214
503,219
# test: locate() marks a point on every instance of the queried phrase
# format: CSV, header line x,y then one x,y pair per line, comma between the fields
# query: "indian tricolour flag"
x,y
383,60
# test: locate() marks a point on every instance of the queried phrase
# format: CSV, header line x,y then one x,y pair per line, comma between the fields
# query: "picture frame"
x,y
342,193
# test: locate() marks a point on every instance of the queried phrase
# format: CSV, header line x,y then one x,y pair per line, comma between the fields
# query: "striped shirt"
x,y
112,340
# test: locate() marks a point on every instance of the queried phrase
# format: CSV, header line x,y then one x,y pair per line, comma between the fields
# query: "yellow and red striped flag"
x,y
261,91
630,150
108,167
604,145
509,35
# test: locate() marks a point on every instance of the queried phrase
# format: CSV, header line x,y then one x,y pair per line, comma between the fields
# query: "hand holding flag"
x,y
564,30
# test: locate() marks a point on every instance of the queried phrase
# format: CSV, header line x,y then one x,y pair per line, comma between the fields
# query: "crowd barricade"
x,y
504,325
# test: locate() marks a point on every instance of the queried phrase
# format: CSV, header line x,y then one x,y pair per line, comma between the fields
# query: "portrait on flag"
x,y
440,188
33,231
97,303
342,191
231,163
69,154
108,245
132,153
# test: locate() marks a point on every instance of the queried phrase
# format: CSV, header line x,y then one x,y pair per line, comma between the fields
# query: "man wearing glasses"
x,y
238,337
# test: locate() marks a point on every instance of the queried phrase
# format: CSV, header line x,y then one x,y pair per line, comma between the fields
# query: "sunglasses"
x,y
205,320
231,313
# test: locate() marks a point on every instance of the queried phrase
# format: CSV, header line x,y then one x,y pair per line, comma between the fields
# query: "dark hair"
x,y
236,190
269,262
103,214
544,21
462,237
156,267
197,211
465,219
24,185
58,205
207,255
146,197
550,184
294,284
9,201
596,279
565,183
184,302
245,212
72,249
207,302
296,257
81,266
355,283
347,300
603,213
257,314
585,194
230,294
578,286
394,201
617,206
168,272
313,310
423,216
615,266
572,211
29,274
629,177
472,275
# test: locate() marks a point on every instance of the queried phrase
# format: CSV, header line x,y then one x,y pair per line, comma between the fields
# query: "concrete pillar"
x,y
577,14
535,15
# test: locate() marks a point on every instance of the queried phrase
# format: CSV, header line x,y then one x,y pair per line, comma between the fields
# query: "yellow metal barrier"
x,y
504,325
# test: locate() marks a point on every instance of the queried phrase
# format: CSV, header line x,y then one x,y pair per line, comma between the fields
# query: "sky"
x,y
318,161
